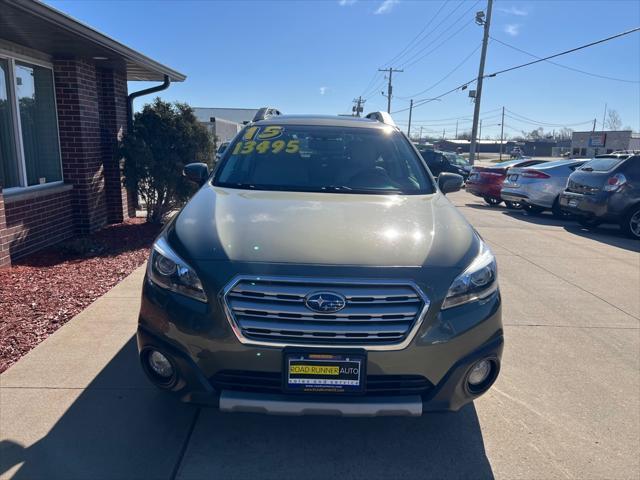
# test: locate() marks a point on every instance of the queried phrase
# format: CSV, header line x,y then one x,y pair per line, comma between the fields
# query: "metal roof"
x,y
38,26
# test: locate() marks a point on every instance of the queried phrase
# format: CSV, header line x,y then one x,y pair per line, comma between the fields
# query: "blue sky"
x,y
316,56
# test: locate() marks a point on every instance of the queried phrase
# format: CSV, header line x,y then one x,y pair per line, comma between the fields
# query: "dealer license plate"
x,y
573,202
324,372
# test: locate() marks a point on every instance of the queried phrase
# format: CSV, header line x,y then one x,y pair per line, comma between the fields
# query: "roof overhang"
x,y
40,27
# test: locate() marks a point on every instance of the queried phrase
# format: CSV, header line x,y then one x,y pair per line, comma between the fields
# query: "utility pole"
x,y
420,132
594,125
501,133
389,86
357,108
443,133
486,22
410,112
456,129
479,138
604,115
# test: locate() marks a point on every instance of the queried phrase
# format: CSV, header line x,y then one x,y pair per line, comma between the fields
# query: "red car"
x,y
486,182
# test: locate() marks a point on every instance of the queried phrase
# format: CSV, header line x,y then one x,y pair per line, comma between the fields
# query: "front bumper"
x,y
430,374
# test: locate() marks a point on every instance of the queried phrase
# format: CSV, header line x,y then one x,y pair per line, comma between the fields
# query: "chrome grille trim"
x,y
270,311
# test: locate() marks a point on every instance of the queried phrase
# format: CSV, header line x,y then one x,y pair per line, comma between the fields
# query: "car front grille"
x,y
274,310
271,382
576,187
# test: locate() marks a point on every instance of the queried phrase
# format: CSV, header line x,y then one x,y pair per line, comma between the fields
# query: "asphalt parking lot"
x,y
567,403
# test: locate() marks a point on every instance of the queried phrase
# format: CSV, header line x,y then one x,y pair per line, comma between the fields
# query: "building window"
x,y
29,145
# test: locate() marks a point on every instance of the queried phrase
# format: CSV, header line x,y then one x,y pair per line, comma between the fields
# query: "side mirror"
x,y
449,182
196,173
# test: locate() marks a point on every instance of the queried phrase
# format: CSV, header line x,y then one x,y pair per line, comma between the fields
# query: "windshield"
x,y
456,159
602,164
323,159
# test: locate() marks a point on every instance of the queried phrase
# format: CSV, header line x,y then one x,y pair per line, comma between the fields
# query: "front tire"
x,y
631,223
492,202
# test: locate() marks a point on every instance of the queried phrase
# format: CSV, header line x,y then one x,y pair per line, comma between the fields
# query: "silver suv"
x,y
320,269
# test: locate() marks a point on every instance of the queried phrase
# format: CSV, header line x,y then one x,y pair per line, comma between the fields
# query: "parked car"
x,y
439,162
516,152
538,187
606,190
341,281
486,182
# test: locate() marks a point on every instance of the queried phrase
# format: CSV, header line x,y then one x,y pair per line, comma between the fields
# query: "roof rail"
x,y
264,113
383,117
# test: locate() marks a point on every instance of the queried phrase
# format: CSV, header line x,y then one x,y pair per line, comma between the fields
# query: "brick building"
x,y
64,105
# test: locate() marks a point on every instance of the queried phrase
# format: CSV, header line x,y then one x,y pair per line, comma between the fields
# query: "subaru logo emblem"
x,y
325,302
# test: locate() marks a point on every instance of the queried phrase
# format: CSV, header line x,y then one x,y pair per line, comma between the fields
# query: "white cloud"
x,y
385,7
345,3
518,12
323,90
512,29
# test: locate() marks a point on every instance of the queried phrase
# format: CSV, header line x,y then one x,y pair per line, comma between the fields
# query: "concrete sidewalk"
x,y
78,405
566,405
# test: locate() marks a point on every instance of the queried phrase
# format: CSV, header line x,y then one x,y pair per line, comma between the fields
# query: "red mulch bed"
x,y
43,291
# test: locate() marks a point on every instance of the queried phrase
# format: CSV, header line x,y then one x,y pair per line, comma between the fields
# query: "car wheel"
x,y
533,209
557,210
493,202
589,222
631,223
513,205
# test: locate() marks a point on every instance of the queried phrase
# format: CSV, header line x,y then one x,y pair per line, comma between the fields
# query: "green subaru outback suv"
x,y
320,269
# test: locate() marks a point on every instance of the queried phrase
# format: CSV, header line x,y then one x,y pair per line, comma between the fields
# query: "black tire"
x,y
513,205
631,223
492,202
589,222
533,209
557,210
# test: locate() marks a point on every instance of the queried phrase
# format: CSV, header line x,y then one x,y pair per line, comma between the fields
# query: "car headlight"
x,y
478,281
167,270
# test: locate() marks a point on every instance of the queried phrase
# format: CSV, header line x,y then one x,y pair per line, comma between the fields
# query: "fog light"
x,y
479,373
160,364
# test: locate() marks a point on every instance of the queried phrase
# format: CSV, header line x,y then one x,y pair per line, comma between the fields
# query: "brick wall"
x,y
80,141
92,117
112,94
36,219
5,259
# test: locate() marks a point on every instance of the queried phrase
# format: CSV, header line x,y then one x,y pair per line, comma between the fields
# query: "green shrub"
x,y
165,137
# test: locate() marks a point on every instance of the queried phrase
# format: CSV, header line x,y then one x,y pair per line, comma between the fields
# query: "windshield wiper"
x,y
337,188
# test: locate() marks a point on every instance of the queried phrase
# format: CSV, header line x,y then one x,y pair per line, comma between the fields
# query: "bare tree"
x,y
564,134
613,122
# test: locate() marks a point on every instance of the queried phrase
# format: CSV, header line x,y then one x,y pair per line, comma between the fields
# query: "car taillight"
x,y
615,183
534,174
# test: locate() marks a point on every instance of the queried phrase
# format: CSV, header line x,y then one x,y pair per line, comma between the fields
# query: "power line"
x,y
445,77
409,45
419,103
516,116
565,66
591,44
417,57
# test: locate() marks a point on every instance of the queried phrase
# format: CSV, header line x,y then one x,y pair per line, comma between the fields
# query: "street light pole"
x,y
410,112
480,20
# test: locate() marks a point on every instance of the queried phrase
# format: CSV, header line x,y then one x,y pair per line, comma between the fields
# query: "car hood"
x,y
322,228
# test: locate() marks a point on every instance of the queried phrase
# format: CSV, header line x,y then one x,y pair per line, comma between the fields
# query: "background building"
x,y
589,144
63,109
224,123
